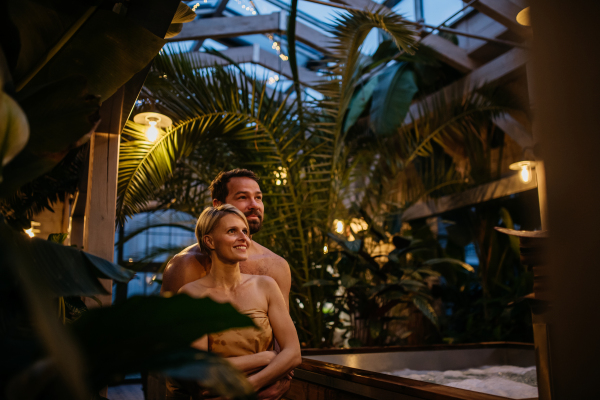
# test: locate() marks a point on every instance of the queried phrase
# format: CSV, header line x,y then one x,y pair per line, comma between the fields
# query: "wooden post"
x,y
100,210
567,88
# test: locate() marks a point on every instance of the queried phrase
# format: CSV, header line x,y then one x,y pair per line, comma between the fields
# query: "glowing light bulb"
x,y
325,249
525,173
30,232
278,182
525,169
339,226
152,132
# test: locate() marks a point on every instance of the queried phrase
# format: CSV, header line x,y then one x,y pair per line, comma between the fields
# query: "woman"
x,y
222,233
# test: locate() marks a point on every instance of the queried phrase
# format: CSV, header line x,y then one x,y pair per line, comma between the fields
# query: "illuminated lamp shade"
x,y
525,170
523,17
154,121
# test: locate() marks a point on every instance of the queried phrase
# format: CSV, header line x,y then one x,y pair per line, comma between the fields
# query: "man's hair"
x,y
209,219
218,187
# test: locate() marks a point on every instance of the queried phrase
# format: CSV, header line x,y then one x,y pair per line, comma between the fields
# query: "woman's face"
x,y
229,239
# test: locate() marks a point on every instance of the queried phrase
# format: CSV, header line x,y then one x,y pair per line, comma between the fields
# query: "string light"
x,y
281,174
339,226
273,79
251,8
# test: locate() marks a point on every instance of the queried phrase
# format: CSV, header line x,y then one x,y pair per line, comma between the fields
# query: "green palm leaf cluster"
x,y
312,167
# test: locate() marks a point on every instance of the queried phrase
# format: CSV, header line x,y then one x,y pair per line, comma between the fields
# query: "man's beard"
x,y
254,224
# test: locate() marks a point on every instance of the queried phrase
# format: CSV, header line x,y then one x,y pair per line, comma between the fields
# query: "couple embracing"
x,y
228,266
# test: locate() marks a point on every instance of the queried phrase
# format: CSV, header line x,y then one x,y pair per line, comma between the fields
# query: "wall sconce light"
x,y
33,230
154,121
523,17
525,170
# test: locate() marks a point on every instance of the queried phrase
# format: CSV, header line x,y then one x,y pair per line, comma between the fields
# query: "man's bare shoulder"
x,y
273,257
264,281
187,266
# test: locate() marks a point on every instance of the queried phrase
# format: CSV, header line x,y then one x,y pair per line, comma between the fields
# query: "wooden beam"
x,y
494,190
222,27
254,54
101,196
451,54
515,130
505,12
496,71
313,38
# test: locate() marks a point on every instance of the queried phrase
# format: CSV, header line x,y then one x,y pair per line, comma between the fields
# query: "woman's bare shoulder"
x,y
194,289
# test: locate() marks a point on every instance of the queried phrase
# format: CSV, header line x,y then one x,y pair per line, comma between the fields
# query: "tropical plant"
x,y
49,105
315,158
301,160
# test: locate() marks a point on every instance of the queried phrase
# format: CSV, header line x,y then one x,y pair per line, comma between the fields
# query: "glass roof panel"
x,y
437,11
406,8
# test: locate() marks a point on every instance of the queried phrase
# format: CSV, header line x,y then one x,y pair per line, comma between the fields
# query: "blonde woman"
x,y
223,233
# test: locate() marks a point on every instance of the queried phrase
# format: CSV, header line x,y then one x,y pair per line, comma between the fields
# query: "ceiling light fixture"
x,y
523,17
525,170
154,121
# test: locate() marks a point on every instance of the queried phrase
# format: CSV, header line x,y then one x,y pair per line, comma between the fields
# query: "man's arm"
x,y
185,267
282,275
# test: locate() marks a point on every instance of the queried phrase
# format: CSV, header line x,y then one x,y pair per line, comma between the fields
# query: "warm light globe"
x,y
152,132
325,249
525,173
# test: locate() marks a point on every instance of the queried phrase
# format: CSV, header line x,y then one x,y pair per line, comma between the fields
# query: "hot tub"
x,y
359,374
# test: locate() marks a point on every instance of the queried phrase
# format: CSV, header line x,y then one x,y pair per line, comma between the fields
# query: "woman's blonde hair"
x,y
209,218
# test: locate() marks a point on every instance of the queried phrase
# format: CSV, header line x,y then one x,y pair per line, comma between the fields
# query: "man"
x,y
239,188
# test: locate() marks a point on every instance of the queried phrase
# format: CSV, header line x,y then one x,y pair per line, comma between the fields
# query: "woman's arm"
x,y
252,362
247,363
285,333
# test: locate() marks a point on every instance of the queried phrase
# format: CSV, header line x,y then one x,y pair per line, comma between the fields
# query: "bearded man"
x,y
239,188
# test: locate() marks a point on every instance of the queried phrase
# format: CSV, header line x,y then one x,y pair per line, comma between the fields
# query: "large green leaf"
x,y
33,285
211,371
41,25
14,129
452,261
425,307
127,337
66,271
107,51
359,102
392,98
93,53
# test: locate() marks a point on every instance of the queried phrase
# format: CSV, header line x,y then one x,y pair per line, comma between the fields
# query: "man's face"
x,y
245,195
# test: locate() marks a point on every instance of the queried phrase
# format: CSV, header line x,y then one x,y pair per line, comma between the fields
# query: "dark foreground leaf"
x,y
66,271
140,333
213,372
